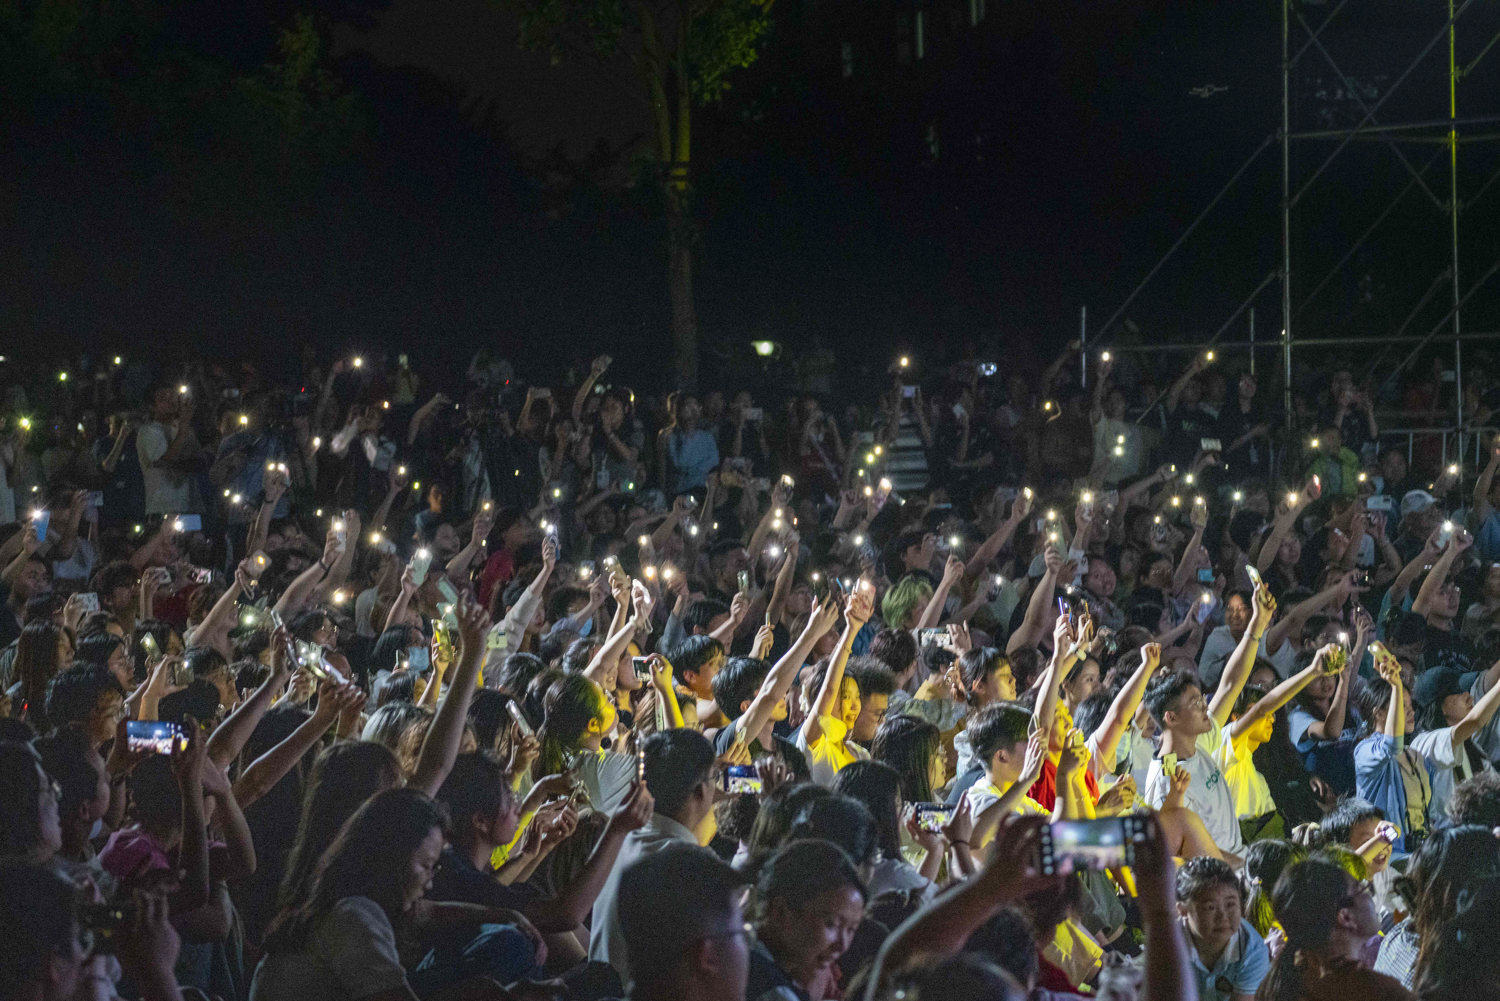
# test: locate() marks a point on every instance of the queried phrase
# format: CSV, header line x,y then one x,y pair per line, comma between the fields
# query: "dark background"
x,y
421,184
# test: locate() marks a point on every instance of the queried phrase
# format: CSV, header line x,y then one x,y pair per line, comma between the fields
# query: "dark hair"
x,y
677,762
778,809
1091,712
842,820
388,648
700,613
489,717
1448,862
1008,939
1339,823
557,604
38,918
908,745
976,665
475,785
878,787
370,858
1459,960
1166,690
698,890
572,703
35,664
579,653
694,653
872,677
996,726
1265,860
20,796
1476,800
344,776
737,682
1203,872
895,648
803,871
73,694
65,755
1307,900
96,648
400,686
200,700
962,976
516,673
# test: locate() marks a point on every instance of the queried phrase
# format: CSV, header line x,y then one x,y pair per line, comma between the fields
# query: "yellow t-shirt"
x,y
982,794
831,751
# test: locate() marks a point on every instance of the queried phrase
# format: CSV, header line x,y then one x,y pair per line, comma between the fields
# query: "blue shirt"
x,y
1377,769
1330,760
1488,540
1241,968
694,455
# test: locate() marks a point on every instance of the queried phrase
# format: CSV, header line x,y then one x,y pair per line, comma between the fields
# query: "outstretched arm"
x,y
440,748
1242,660
858,612
1122,710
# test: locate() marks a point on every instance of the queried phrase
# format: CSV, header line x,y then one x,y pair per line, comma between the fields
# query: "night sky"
x,y
489,194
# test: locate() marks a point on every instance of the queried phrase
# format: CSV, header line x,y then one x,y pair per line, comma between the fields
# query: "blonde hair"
x,y
903,601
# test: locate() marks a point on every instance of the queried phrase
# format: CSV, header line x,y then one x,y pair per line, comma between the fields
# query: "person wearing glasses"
x,y
703,952
1326,916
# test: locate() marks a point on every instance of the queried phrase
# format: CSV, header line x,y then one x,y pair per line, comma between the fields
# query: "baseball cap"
x,y
1440,682
1416,500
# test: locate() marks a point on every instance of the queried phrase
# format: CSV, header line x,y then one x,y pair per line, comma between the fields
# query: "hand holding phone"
x,y
155,737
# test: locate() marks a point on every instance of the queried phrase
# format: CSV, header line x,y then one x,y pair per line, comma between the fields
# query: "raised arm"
x,y
268,769
833,680
1122,709
581,397
457,569
1029,632
1198,515
1409,573
1242,660
779,681
1050,683
1331,726
609,653
297,593
1478,716
1285,692
440,747
1481,509
991,547
953,572
1286,517
784,576
1438,575
231,735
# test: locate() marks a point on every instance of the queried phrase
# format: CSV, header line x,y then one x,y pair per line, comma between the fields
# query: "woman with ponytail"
x,y
1326,916
578,718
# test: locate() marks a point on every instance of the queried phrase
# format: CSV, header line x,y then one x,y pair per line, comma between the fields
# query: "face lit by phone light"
x,y
850,705
1212,915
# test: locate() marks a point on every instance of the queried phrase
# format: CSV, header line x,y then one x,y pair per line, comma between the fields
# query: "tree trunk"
x,y
680,290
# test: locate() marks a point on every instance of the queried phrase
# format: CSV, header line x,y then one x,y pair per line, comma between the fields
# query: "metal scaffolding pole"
x,y
1458,344
1286,206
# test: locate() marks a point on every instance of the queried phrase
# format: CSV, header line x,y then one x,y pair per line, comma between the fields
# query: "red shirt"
x,y
497,572
1045,789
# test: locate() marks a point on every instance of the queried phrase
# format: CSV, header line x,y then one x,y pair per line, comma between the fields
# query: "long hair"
x,y
774,821
1306,900
1459,961
572,703
370,857
1448,862
908,744
1265,861
36,663
344,777
878,787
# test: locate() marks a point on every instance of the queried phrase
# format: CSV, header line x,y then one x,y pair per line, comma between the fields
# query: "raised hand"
x,y
473,622
858,608
953,570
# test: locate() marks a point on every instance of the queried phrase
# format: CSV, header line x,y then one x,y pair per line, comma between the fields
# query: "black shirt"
x,y
456,879
783,749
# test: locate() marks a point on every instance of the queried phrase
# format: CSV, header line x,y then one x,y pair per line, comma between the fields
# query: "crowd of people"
x,y
984,684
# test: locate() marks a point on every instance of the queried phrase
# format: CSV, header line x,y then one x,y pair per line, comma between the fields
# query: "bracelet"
x,y
955,843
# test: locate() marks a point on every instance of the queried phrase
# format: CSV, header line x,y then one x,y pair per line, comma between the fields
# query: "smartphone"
x,y
449,595
89,601
148,644
1205,575
1070,846
987,368
1445,534
1209,445
94,498
109,923
199,575
1253,574
642,668
41,520
744,577
515,713
640,761
742,779
1169,764
909,391
155,737
258,563
420,561
181,674
937,635
933,816
754,414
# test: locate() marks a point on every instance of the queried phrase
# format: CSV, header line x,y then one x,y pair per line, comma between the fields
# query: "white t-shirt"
x,y
350,954
167,491
1208,795
1450,766
982,794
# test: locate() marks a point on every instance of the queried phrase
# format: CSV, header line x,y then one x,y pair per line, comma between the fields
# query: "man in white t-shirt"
x,y
998,735
1446,690
1197,742
167,448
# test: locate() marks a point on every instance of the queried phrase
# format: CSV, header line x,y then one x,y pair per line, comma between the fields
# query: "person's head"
x,y
1476,801
1449,862
1458,959
897,650
108,650
1442,696
43,949
809,900
878,787
964,976
1262,730
1265,860
904,602
845,822
876,684
387,851
1352,823
987,676
1081,682
342,777
1211,900
1238,611
1100,579
88,697
1156,571
702,952
479,801
30,830
680,775
997,735
1177,704
736,684
578,713
846,705
43,650
516,673
70,758
914,748
697,660
1323,911
704,616
1374,699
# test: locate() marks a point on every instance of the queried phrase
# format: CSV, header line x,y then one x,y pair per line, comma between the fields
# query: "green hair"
x,y
903,601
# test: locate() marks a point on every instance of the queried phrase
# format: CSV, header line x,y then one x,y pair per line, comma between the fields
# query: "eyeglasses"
x,y
1362,887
